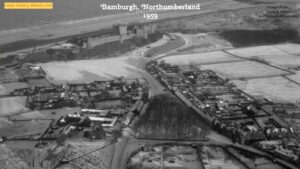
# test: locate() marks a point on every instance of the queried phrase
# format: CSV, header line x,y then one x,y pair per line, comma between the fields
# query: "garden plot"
x,y
6,88
275,88
201,58
12,105
244,70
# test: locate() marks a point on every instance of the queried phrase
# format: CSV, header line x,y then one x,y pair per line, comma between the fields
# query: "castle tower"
x,y
122,32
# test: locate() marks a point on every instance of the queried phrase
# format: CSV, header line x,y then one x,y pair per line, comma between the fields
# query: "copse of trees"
x,y
168,118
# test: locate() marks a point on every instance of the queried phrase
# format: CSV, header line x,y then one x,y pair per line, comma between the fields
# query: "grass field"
x,y
289,48
283,54
241,38
243,70
91,70
38,83
169,46
99,159
11,105
200,58
23,128
6,88
45,114
98,69
108,104
295,77
275,88
8,75
249,52
204,42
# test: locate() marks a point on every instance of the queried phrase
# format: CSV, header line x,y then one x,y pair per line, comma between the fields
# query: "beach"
x,y
75,27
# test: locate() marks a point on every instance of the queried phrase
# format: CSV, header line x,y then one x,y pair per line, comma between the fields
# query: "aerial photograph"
x,y
150,84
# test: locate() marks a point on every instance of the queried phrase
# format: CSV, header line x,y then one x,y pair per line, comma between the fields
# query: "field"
x,y
241,38
45,114
91,70
204,42
285,55
8,75
169,46
254,161
200,58
38,83
295,77
82,71
276,88
6,88
289,48
11,105
99,159
256,51
243,70
108,104
23,128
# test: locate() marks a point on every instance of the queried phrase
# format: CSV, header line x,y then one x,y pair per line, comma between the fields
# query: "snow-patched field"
x,y
276,88
245,70
289,48
201,58
91,70
82,71
11,105
295,77
282,54
256,51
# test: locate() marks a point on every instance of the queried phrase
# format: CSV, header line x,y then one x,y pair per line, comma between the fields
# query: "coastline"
x,y
61,31
56,32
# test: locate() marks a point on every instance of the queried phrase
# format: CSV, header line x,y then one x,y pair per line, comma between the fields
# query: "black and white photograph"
x,y
149,84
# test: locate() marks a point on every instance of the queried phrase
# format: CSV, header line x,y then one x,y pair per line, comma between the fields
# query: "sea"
x,y
66,11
